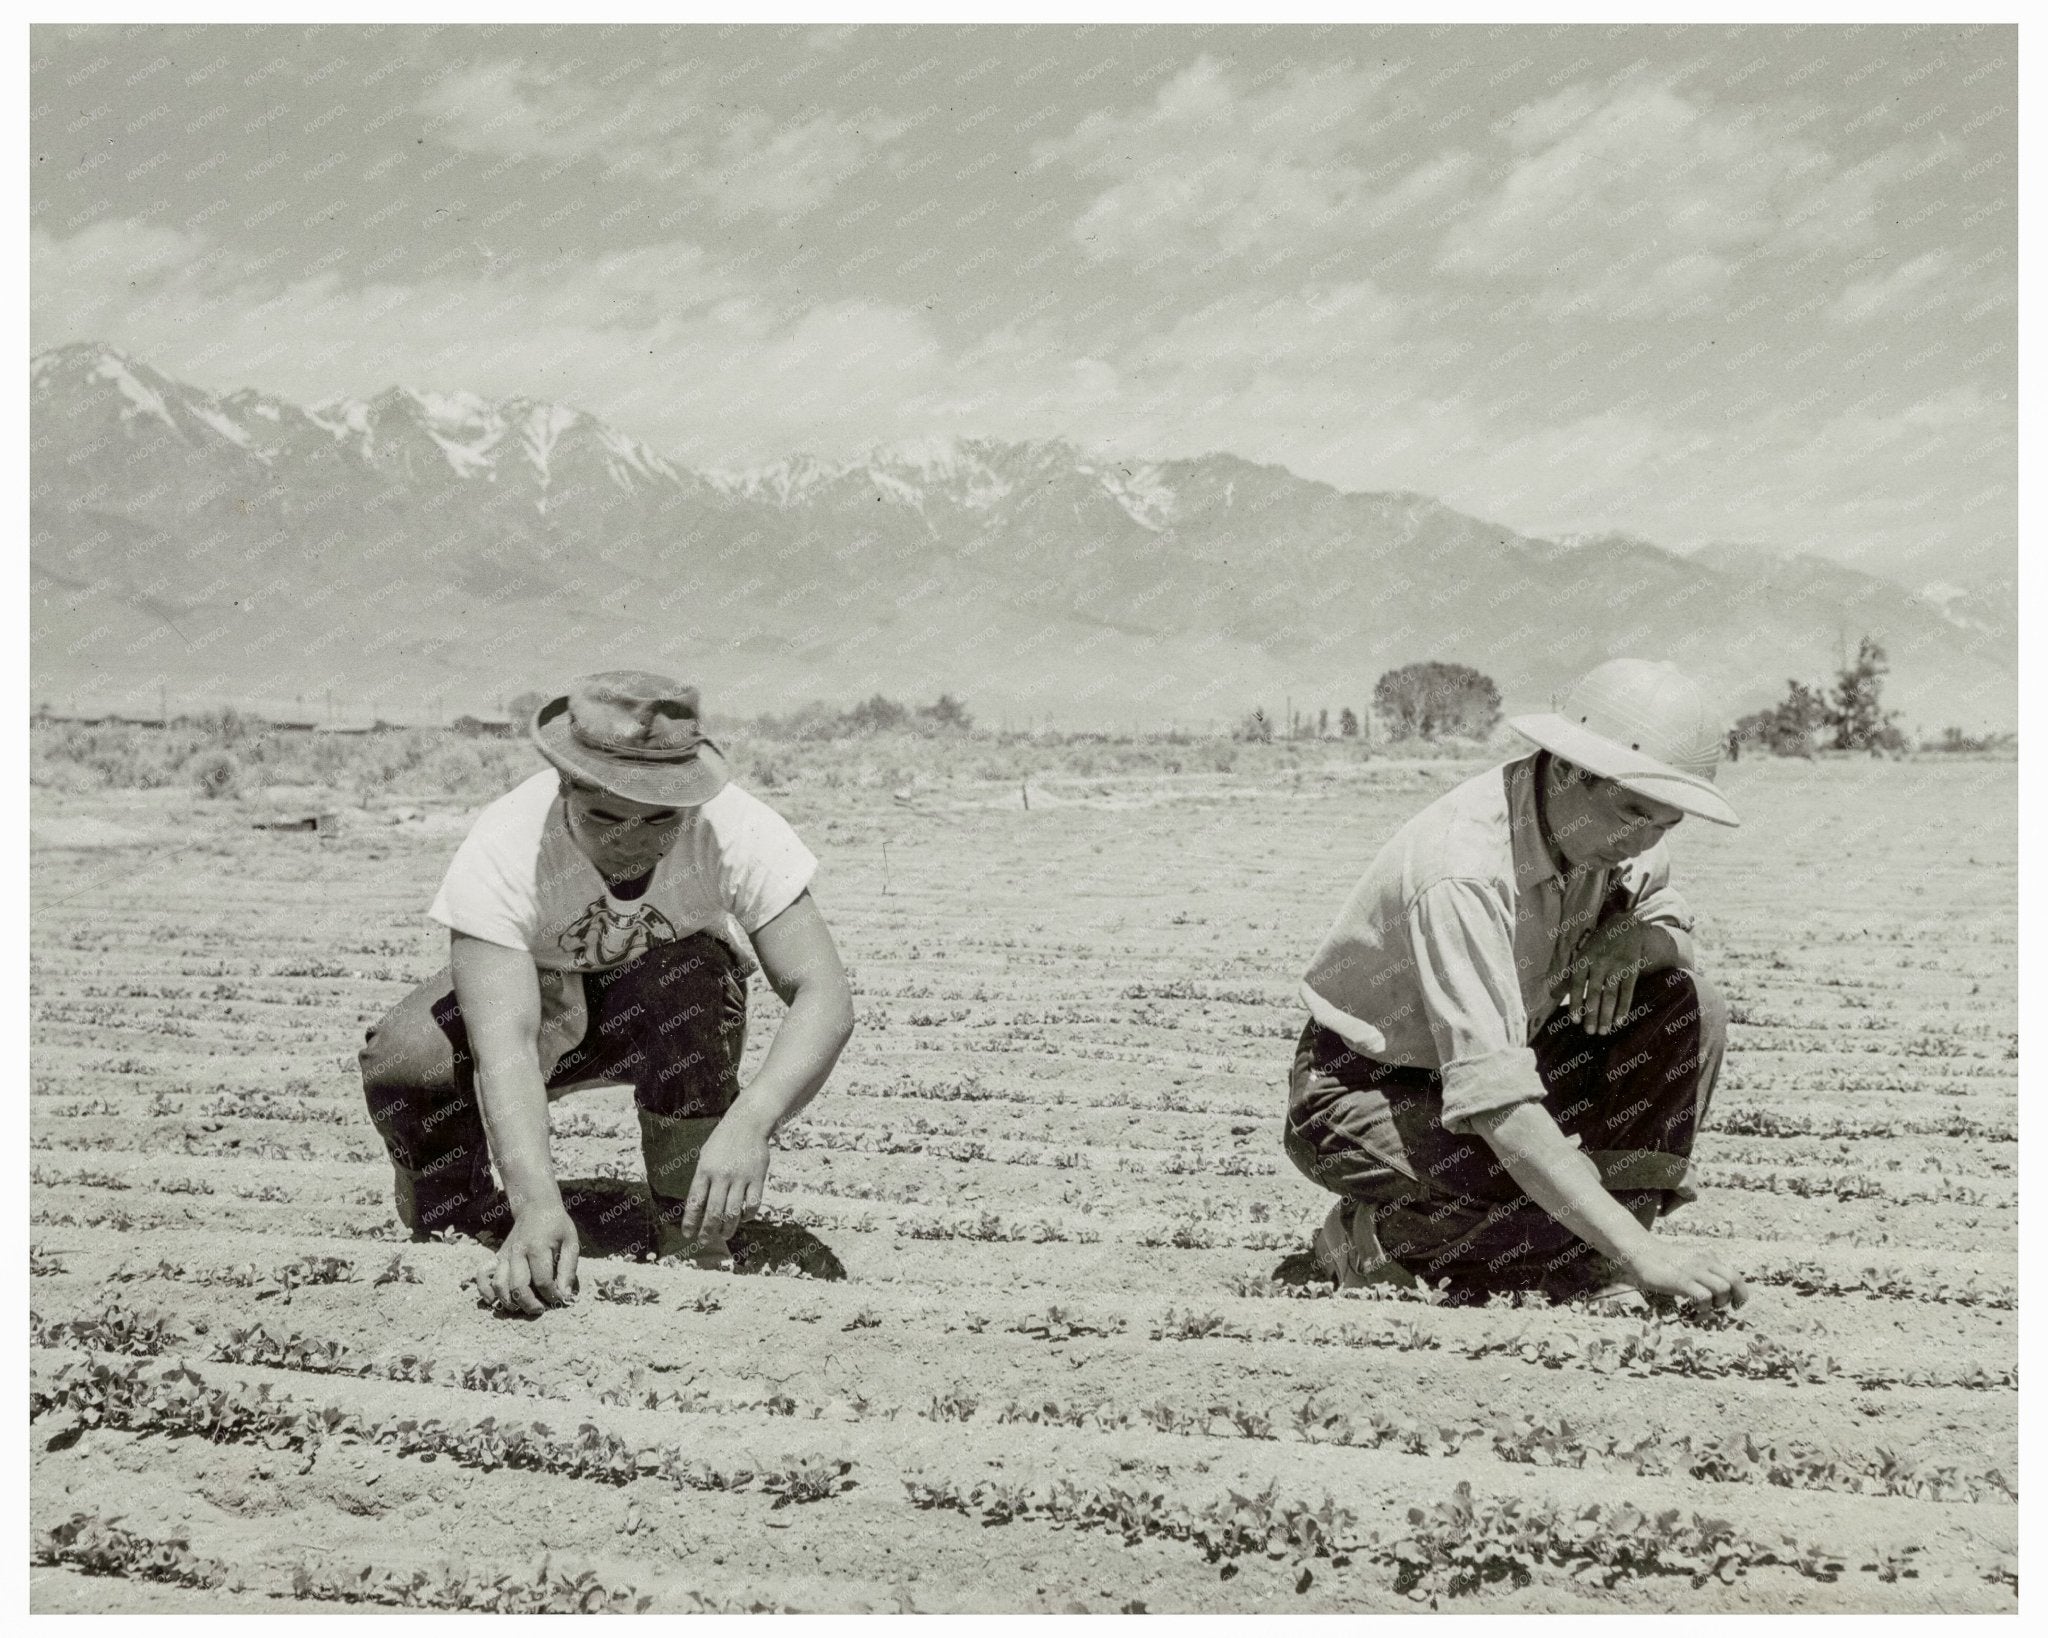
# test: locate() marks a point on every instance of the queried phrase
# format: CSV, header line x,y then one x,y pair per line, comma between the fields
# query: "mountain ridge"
x,y
444,542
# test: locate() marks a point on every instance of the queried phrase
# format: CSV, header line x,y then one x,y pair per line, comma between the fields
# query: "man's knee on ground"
x,y
398,1062
1306,1160
370,1060
387,1070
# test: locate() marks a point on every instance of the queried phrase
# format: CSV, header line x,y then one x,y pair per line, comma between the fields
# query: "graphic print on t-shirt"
x,y
605,937
519,880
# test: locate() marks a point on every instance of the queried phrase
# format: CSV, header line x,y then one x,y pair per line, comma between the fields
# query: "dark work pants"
x,y
1444,1206
672,1024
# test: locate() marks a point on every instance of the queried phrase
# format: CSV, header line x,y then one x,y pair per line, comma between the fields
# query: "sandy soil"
x,y
1050,1169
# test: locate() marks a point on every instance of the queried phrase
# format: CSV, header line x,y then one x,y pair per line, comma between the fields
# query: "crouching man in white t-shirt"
x,y
599,920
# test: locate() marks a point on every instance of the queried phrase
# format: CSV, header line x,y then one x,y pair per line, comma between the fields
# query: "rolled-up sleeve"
x,y
1464,946
1655,900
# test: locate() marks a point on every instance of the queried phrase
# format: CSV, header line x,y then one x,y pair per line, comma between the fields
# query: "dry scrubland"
x,y
1056,1374
436,765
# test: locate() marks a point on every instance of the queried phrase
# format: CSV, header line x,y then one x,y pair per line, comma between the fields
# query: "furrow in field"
x,y
1377,1484
1783,1343
1138,1214
1050,1164
1058,1375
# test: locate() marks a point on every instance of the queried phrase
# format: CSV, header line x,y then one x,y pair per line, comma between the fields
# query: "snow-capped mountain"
x,y
419,541
542,443
1985,608
540,447
965,475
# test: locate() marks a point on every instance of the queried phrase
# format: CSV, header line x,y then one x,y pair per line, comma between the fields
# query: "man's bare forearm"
x,y
1562,1179
514,1100
814,1032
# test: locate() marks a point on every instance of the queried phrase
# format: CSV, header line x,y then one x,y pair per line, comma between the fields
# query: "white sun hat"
x,y
1644,724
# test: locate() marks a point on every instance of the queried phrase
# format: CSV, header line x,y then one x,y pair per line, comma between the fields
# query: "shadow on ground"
x,y
614,1217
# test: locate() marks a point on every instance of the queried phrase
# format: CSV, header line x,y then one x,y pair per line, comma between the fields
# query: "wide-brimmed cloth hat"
x,y
635,734
1643,724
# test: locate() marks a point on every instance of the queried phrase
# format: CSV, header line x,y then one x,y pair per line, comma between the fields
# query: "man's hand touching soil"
x,y
536,1266
1697,1277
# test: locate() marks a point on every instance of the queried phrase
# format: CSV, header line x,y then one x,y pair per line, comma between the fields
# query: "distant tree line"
x,y
1437,699
1955,739
1429,700
878,714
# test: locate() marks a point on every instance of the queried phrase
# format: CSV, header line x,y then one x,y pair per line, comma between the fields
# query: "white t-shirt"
x,y
519,880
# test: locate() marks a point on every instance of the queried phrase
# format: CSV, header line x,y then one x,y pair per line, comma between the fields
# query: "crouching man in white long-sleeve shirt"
x,y
1510,1048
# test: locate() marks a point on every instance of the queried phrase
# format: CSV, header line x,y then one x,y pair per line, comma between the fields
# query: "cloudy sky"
x,y
1698,284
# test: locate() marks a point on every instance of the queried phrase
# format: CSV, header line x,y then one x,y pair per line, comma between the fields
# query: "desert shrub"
x,y
945,715
226,726
1787,728
1855,708
334,758
505,763
1851,712
217,772
789,754
876,715
816,720
1954,740
113,756
453,767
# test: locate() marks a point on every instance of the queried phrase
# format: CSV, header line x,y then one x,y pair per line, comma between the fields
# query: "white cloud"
x,y
712,369
1428,184
1620,291
1841,210
1210,169
79,287
1885,294
1646,200
1314,328
507,108
1958,421
685,132
782,170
